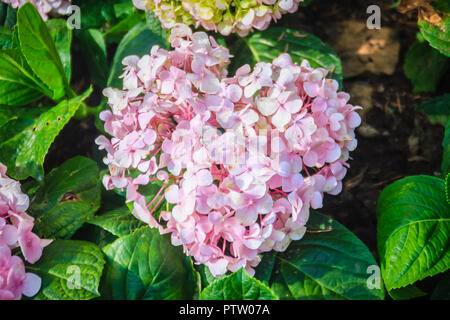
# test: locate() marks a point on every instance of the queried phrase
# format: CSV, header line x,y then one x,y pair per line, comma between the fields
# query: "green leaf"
x,y
93,48
116,33
70,195
145,265
100,14
138,41
332,264
263,271
5,38
18,86
64,262
206,276
445,167
62,36
40,51
447,188
269,44
406,293
424,66
437,109
25,140
437,36
237,286
120,222
413,227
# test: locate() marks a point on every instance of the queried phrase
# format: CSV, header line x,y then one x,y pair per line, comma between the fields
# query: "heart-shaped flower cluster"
x,y
240,160
225,16
44,7
15,232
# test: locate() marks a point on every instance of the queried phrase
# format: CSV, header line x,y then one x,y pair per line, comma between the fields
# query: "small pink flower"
x,y
16,231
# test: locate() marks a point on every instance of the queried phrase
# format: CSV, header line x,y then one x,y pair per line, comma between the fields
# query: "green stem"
x,y
85,111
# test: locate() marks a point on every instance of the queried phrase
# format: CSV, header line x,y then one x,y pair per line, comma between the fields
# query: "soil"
x,y
396,140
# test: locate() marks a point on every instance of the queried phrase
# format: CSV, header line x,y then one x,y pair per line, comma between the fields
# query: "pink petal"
x,y
31,285
234,92
310,158
311,89
9,234
294,106
218,267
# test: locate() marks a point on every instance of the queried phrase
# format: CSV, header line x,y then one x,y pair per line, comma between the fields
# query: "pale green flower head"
x,y
224,16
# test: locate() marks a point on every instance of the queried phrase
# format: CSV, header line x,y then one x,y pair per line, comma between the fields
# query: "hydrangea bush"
x,y
241,159
213,179
225,16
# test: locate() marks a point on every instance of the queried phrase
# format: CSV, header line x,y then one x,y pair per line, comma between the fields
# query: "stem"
x,y
85,111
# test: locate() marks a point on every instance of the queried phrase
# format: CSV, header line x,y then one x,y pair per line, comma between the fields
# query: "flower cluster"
x,y
241,159
15,232
44,7
225,16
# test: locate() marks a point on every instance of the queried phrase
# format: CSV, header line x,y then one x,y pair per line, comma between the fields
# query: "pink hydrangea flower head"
x,y
240,160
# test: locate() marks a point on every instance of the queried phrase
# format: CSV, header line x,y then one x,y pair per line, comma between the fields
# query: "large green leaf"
x,y
62,36
447,188
413,228
70,195
120,222
437,36
93,48
70,270
138,41
40,51
5,38
25,139
145,265
116,33
437,109
237,286
269,44
332,264
18,85
424,66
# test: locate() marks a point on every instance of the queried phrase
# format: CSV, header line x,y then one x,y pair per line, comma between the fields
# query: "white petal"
x,y
267,106
204,178
281,118
178,214
172,194
249,117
